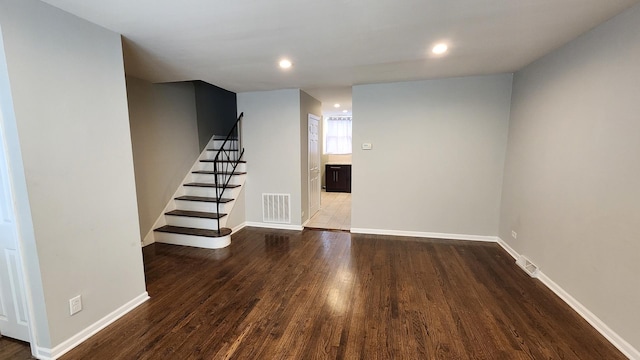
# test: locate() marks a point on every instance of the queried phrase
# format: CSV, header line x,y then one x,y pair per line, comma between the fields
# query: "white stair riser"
x,y
224,156
211,192
216,144
190,240
194,222
203,206
208,166
209,178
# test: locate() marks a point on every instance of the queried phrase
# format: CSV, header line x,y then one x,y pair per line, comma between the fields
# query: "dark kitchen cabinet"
x,y
338,178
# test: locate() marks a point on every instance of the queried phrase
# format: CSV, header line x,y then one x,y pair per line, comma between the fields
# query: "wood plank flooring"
x,y
334,295
14,350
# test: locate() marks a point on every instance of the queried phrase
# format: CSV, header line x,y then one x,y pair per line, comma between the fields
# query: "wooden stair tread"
x,y
223,149
194,231
207,172
210,185
223,161
203,199
196,214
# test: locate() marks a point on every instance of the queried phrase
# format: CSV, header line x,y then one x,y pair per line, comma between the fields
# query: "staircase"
x,y
198,213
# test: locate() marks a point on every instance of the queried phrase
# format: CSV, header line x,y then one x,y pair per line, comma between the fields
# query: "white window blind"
x,y
338,135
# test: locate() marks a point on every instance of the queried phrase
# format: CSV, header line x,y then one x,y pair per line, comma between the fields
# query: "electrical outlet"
x,y
514,234
75,304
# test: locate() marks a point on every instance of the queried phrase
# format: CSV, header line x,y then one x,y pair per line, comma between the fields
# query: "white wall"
x,y
572,170
164,134
271,135
437,158
237,215
69,97
29,252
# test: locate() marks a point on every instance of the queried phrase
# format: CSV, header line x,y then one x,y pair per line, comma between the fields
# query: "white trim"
x,y
150,238
42,353
508,249
204,242
419,234
77,339
238,228
616,340
274,226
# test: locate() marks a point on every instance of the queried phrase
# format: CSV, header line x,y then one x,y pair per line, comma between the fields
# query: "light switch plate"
x,y
366,146
75,305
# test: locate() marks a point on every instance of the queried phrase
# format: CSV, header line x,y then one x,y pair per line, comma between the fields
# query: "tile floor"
x,y
335,212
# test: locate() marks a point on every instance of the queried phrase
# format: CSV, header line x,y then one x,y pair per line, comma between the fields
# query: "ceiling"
x,y
333,44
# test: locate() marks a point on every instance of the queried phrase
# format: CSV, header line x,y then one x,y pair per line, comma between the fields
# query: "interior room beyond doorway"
x,y
335,212
335,139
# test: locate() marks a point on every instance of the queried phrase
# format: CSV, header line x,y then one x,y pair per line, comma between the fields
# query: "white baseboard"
x,y
616,340
238,228
274,226
149,238
419,234
77,339
508,249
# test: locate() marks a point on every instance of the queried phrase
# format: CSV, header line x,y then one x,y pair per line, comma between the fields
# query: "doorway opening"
x,y
334,212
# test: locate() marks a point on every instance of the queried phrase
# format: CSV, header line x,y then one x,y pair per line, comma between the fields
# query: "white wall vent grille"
x,y
528,267
276,208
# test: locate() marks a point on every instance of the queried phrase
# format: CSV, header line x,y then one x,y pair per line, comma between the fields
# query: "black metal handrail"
x,y
226,161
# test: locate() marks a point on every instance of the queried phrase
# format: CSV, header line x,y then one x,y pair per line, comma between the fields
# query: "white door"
x,y
13,310
314,165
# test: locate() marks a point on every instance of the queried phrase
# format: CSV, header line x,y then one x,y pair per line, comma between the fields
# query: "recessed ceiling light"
x,y
336,105
345,111
285,64
440,49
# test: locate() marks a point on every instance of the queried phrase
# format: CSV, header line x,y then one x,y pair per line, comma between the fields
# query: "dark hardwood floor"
x,y
14,349
333,295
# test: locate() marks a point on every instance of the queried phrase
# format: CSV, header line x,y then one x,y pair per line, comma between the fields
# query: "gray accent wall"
x,y
70,111
437,157
164,135
216,109
308,105
572,174
271,133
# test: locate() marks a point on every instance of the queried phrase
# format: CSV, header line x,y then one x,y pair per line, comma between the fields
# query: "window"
x,y
338,135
